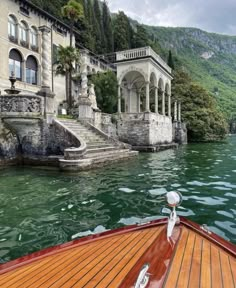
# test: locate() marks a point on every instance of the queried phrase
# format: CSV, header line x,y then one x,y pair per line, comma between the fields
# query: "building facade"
x,y
21,49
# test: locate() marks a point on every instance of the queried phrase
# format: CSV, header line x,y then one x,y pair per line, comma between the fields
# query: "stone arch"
x,y
132,84
167,88
132,69
161,84
24,33
16,61
153,85
34,34
13,28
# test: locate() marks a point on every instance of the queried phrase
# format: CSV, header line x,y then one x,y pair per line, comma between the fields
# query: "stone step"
x,y
101,150
97,145
84,164
115,156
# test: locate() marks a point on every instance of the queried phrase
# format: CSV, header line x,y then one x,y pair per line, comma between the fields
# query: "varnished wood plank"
x,y
64,268
232,262
126,264
196,263
111,269
19,275
216,268
26,271
205,281
226,270
77,271
173,273
97,273
184,273
54,261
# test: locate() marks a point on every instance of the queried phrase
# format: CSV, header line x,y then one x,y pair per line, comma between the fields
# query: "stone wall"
x,y
144,129
106,122
32,139
8,143
180,133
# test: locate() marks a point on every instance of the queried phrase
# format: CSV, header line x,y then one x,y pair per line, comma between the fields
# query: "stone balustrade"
x,y
140,53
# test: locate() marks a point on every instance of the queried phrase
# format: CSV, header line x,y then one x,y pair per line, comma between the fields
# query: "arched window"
x,y
31,70
23,33
12,27
15,64
34,38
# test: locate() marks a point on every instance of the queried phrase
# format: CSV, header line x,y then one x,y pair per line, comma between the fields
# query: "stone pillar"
x,y
138,101
147,97
46,51
175,111
129,99
45,90
179,111
163,103
156,100
169,105
119,99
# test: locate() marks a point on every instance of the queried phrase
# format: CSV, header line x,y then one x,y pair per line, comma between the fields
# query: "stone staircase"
x,y
98,149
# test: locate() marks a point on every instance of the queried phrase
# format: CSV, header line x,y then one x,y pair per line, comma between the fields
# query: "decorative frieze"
x,y
21,104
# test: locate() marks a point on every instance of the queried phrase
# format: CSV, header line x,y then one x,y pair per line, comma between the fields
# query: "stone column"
x,y
119,99
129,99
175,111
138,101
179,111
156,100
169,105
163,103
46,51
45,90
147,97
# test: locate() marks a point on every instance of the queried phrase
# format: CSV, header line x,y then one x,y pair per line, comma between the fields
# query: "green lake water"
x,y
40,208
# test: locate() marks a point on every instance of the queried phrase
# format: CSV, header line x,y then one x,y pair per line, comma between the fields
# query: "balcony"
x,y
141,53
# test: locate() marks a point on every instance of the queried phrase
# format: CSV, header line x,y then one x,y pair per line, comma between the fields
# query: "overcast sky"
x,y
211,15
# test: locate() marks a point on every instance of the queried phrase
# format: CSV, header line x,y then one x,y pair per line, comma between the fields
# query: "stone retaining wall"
x,y
144,129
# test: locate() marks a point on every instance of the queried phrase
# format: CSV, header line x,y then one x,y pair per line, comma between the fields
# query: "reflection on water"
x,y
40,208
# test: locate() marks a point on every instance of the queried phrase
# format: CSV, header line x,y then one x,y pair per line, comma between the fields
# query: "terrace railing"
x,y
140,53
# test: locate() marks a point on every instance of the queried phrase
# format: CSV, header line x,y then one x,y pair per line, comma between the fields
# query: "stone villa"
x,y
29,129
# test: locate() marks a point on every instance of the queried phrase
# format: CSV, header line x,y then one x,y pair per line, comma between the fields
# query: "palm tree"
x,y
73,11
67,59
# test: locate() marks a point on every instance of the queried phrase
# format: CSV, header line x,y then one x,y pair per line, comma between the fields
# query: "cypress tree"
x,y
123,32
141,37
107,27
170,61
99,32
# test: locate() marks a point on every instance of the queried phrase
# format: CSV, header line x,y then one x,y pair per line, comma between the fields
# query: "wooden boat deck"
x,y
190,259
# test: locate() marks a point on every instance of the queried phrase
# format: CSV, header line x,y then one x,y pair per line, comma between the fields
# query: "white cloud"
x,y
211,15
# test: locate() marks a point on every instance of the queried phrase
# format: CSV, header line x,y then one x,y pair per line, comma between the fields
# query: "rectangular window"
x,y
31,76
11,67
17,69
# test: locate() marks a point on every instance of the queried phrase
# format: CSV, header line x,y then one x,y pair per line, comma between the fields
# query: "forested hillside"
x,y
209,58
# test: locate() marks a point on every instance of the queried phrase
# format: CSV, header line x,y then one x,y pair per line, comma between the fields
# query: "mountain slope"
x,y
209,58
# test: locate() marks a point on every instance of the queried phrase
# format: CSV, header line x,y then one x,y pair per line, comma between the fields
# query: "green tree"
x,y
74,12
106,91
199,110
141,38
170,60
123,32
107,27
67,58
